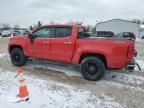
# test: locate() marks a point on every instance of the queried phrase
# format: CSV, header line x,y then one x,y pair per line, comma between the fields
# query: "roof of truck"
x,y
60,25
63,25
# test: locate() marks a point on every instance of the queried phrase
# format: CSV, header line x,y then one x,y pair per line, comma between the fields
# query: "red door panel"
x,y
39,48
61,49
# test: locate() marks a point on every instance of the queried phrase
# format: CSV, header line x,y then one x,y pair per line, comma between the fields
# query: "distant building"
x,y
119,25
141,30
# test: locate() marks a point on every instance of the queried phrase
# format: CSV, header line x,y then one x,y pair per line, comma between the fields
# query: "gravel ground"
x,y
127,89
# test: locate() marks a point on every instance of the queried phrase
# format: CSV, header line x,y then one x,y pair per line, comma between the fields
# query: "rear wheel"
x,y
17,57
92,68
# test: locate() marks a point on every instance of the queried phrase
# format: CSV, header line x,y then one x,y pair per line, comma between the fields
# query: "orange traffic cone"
x,y
23,92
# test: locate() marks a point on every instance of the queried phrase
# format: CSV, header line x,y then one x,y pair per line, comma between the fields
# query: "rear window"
x,y
61,32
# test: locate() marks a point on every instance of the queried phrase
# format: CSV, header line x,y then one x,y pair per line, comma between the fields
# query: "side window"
x,y
46,32
61,32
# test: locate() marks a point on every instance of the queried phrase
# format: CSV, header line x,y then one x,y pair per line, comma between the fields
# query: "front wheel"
x,y
92,68
17,57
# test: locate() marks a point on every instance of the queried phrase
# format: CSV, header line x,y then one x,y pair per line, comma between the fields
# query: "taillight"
x,y
130,53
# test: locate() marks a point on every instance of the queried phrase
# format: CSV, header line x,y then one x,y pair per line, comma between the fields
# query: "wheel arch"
x,y
100,56
15,46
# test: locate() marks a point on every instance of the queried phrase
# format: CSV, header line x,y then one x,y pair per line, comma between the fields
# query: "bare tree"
x,y
35,26
73,22
5,26
88,27
94,29
16,27
52,22
142,21
138,21
31,28
39,24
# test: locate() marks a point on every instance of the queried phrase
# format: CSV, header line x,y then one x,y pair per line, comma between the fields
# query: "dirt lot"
x,y
127,89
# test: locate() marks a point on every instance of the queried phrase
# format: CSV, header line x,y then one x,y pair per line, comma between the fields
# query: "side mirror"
x,y
31,36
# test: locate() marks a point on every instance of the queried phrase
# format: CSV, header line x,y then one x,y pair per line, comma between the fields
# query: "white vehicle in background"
x,y
5,33
16,33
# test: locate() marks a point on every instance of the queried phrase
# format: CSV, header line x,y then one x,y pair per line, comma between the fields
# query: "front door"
x,y
40,46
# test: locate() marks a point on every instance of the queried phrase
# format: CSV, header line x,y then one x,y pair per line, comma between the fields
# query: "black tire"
x,y
92,68
17,57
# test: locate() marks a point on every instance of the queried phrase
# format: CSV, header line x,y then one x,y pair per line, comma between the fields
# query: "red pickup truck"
x,y
71,44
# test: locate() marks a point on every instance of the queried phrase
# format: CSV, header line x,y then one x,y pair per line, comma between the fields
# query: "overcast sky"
x,y
27,12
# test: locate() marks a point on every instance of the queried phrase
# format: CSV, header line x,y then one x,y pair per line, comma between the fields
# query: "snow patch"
x,y
122,78
67,69
140,62
139,39
2,55
51,94
125,79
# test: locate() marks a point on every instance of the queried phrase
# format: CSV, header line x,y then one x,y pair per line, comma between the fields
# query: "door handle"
x,y
67,43
46,42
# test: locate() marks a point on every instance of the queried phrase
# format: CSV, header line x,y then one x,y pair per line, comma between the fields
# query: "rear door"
x,y
40,47
62,44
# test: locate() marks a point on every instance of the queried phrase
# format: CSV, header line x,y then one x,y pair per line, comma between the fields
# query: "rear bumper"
x,y
131,65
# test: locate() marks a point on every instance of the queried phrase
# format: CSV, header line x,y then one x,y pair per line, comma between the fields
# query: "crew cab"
x,y
71,44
